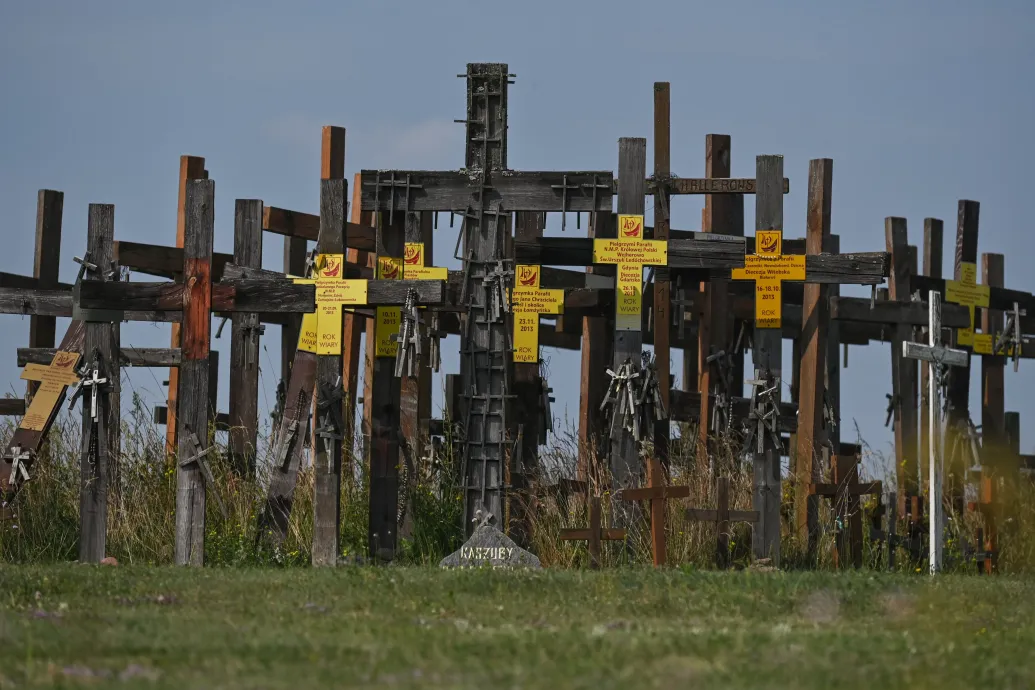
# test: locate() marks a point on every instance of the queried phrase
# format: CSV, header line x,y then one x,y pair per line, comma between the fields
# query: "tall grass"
x,y
141,510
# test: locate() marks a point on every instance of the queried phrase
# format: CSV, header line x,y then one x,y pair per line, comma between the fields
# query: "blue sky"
x,y
919,104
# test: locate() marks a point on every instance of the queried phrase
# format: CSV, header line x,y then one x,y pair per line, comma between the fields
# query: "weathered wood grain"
x,y
597,354
306,226
46,266
934,242
661,311
13,407
162,261
244,345
128,356
707,185
888,312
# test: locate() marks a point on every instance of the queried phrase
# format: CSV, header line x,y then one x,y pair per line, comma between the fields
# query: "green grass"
x,y
74,626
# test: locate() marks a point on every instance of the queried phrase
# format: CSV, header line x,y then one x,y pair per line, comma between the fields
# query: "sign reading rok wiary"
x,y
488,547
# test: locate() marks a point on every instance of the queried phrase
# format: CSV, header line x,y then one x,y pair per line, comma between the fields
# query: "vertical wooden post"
x,y
43,329
597,353
632,173
355,325
528,225
767,356
959,377
199,224
722,522
993,413
932,267
415,393
329,389
903,382
295,249
100,347
815,319
832,425
381,412
714,324
1012,425
191,168
244,345
662,286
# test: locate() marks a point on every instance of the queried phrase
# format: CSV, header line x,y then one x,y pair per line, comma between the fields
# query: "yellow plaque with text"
x,y
768,268
388,318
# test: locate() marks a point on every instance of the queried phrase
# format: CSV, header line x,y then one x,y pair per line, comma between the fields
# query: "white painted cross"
x,y
940,356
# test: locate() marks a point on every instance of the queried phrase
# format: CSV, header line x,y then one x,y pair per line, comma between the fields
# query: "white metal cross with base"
x,y
939,356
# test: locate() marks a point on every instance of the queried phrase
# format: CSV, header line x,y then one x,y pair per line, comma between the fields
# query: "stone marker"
x,y
490,547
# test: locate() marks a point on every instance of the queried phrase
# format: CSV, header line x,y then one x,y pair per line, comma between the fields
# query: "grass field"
x,y
77,626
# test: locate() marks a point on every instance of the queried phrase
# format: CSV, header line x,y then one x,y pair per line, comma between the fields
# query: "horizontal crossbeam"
x,y
939,354
1002,299
890,313
703,251
13,280
281,221
707,185
510,190
129,356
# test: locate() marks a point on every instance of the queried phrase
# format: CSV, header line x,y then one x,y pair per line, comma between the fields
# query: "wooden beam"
x,y
128,357
244,345
165,262
517,190
662,288
890,313
13,407
193,420
354,325
306,226
993,380
295,250
686,407
597,354
46,266
706,185
932,268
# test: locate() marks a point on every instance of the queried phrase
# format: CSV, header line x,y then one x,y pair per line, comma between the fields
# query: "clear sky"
x,y
919,104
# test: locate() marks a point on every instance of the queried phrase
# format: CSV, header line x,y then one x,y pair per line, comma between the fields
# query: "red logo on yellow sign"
x,y
413,254
528,275
331,266
769,242
389,269
630,226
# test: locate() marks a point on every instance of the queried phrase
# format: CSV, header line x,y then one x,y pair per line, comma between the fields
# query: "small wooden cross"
x,y
53,380
845,492
722,516
657,493
595,534
529,302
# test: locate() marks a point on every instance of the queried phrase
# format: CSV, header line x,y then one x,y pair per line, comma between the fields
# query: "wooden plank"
x,y
128,357
959,377
352,323
904,384
993,373
100,346
813,367
295,250
831,422
46,266
244,345
626,466
597,354
381,400
713,335
193,420
527,391
329,398
515,191
191,168
706,185
415,393
932,268
14,280
165,262
306,226
907,313
662,289
12,407
703,251
766,355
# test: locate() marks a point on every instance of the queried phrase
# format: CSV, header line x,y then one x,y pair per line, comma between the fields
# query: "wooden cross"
x,y
529,301
722,516
845,492
594,534
940,356
657,493
53,380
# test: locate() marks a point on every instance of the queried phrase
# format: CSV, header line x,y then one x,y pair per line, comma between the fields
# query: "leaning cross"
x,y
657,493
53,380
529,301
940,356
595,534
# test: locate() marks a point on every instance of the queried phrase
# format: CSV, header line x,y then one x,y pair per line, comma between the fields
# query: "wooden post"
x,y
662,286
959,377
244,345
43,329
714,325
415,393
597,354
295,250
932,266
330,390
354,326
904,383
101,350
815,319
191,168
632,168
993,414
199,223
767,357
381,399
528,400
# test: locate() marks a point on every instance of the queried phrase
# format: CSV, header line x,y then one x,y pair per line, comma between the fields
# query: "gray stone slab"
x,y
490,547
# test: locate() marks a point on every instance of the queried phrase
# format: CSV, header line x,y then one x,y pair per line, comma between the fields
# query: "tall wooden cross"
x,y
940,356
485,193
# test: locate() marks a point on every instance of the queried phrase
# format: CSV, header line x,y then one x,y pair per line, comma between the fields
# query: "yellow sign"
x,y
967,292
388,319
768,267
631,252
426,273
413,255
529,302
53,379
984,342
321,330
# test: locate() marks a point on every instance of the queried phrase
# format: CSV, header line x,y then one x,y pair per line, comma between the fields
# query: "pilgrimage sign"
x,y
490,547
53,380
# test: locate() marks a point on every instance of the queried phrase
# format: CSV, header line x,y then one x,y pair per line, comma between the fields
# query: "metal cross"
x,y
764,410
483,517
1011,335
94,383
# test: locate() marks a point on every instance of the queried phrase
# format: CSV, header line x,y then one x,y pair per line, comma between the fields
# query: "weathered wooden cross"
x,y
594,534
940,356
722,516
657,492
845,491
